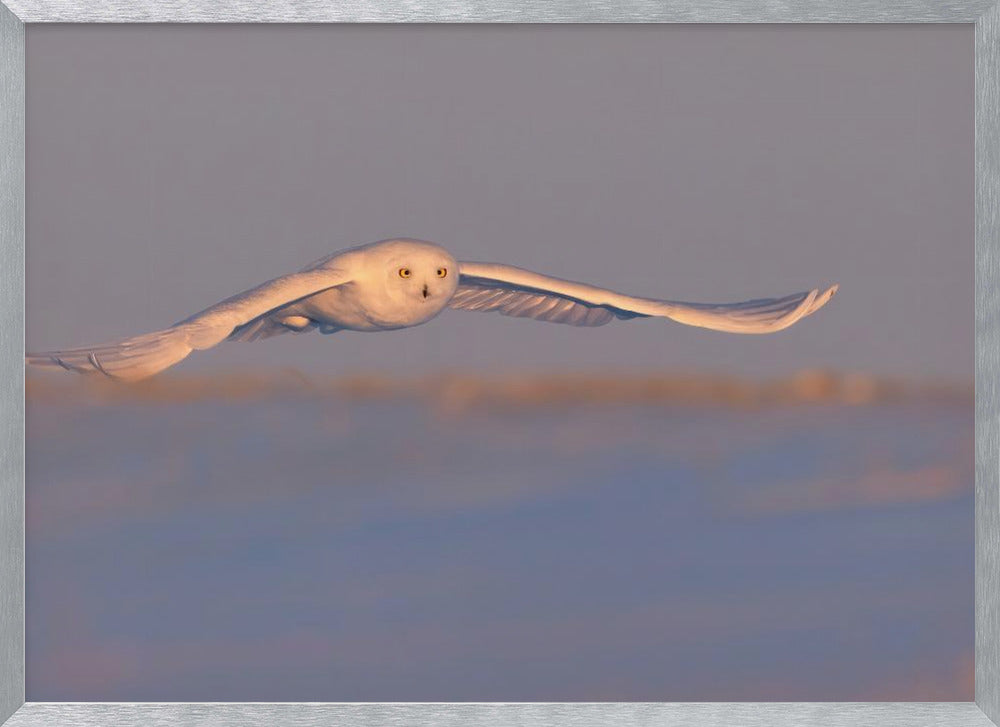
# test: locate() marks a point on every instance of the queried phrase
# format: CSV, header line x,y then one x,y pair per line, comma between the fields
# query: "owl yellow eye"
x,y
442,272
404,272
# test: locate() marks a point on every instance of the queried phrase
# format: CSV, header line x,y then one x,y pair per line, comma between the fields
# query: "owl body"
x,y
393,284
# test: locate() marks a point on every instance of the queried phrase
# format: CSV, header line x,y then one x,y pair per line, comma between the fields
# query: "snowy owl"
x,y
400,283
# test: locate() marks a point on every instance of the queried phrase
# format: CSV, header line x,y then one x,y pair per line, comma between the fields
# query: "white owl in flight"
x,y
400,283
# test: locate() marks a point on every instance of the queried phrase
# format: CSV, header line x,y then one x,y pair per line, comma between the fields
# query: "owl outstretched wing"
x,y
521,293
141,356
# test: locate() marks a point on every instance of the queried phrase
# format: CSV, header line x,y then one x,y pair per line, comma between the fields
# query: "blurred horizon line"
x,y
455,390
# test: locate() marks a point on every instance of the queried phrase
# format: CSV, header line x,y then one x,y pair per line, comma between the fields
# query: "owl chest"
x,y
357,309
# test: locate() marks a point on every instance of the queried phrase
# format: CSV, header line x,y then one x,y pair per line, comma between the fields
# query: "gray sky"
x,y
169,167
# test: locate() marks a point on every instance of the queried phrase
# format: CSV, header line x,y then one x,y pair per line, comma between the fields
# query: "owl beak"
x,y
426,292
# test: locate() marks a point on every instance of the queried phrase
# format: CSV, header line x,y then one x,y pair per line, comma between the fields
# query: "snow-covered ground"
x,y
319,547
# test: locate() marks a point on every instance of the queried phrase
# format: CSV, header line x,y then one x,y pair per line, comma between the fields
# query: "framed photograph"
x,y
548,362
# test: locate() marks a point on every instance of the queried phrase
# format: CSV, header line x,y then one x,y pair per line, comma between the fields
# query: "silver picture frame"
x,y
984,14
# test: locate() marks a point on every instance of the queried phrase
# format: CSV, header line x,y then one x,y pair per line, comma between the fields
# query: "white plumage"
x,y
401,283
